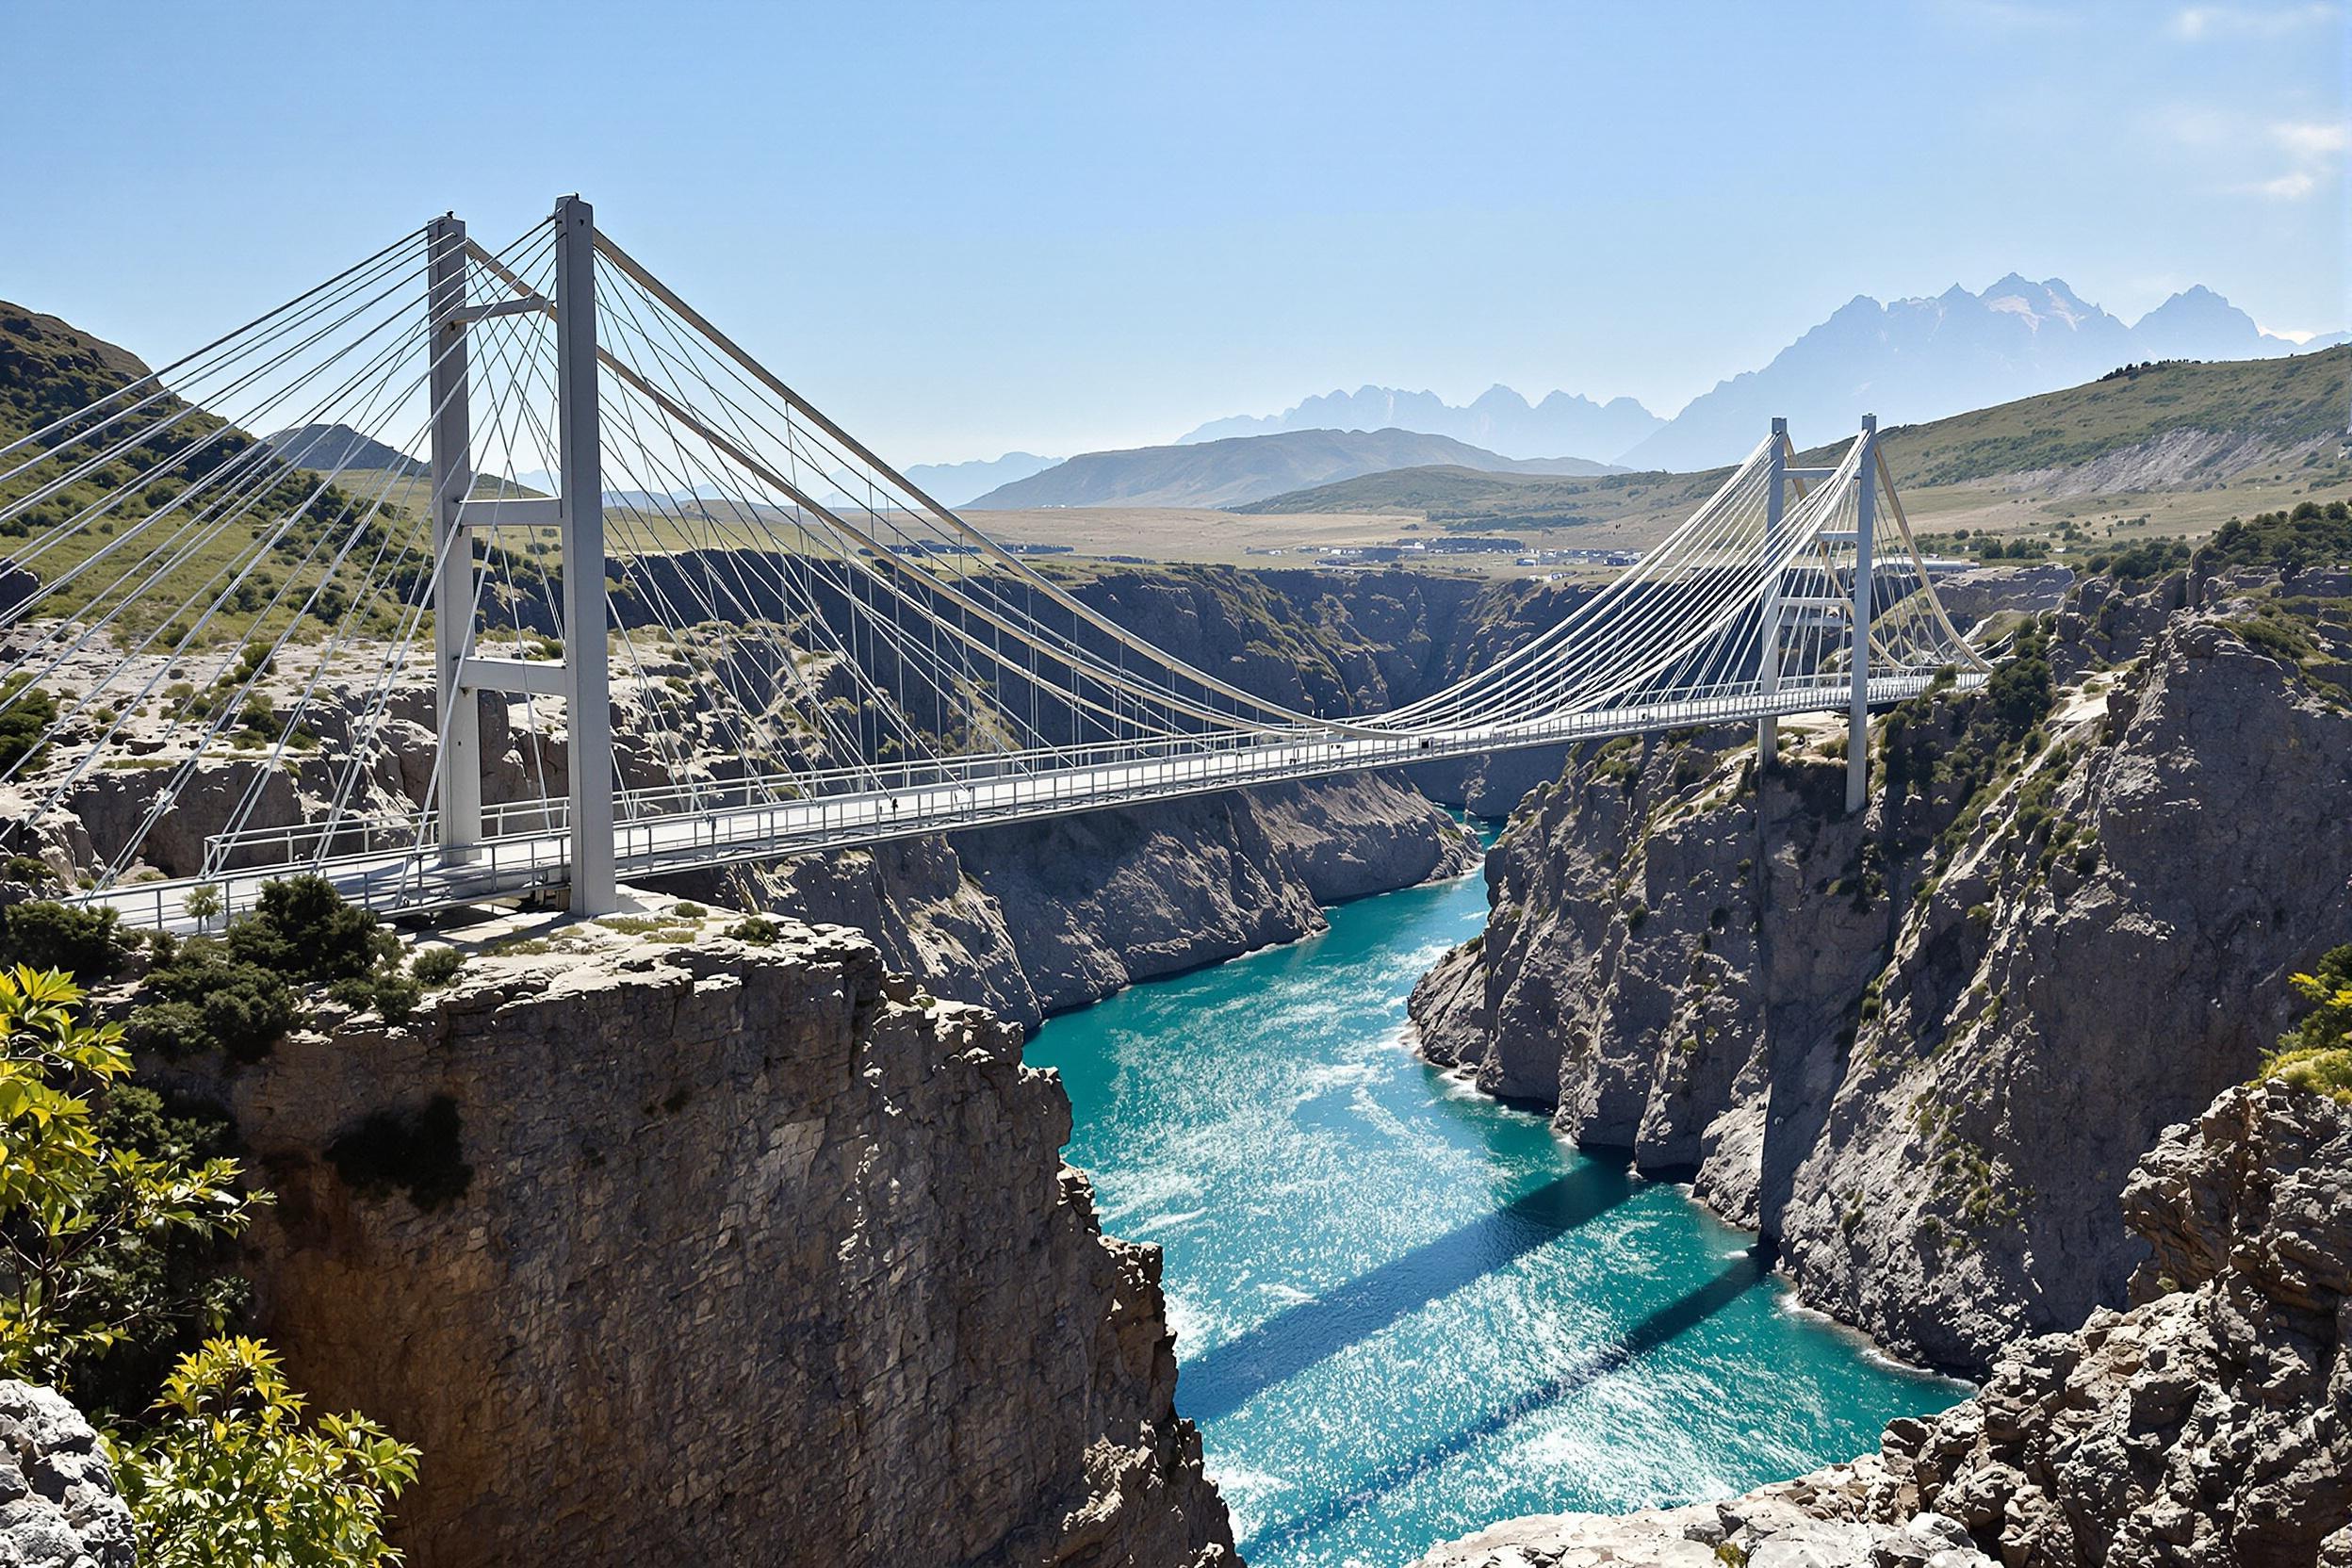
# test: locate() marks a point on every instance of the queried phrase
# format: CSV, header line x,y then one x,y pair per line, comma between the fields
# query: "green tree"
x,y
230,1476
225,1474
77,1214
26,712
203,904
2316,1054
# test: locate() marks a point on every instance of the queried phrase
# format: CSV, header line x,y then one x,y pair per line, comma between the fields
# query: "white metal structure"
x,y
534,488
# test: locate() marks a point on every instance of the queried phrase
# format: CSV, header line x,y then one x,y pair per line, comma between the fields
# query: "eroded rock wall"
x,y
59,1505
761,1255
1043,916
1920,1048
2207,1426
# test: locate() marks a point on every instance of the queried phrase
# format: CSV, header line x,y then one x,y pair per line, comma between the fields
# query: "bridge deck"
x,y
414,881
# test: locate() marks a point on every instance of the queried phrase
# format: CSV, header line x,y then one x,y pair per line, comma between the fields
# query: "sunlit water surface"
x,y
1403,1310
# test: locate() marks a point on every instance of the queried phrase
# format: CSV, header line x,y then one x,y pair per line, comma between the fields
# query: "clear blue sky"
x,y
963,228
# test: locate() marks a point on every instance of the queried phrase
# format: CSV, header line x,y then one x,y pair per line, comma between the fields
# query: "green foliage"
x,y
418,1152
2316,1054
202,904
2146,559
181,1285
757,930
303,929
2310,535
213,1000
26,712
76,938
393,995
232,1475
82,1214
2278,638
238,994
435,967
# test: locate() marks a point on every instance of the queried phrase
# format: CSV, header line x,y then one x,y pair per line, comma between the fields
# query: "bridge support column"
x,y
587,679
457,769
1767,621
1864,590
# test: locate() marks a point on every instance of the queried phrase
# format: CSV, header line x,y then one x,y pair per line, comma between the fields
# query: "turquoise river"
x,y
1403,1310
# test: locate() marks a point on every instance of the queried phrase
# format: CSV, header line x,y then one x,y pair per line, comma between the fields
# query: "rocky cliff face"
x,y
1920,1047
58,1504
1027,921
667,1248
2209,1425
1042,917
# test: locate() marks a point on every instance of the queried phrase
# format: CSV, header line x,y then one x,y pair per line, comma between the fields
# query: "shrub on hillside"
x,y
26,712
238,994
2316,1054
303,929
210,999
2310,535
79,941
435,967
2142,561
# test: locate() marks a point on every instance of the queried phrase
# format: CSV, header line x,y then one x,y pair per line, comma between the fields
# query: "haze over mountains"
x,y
1905,360
1499,420
956,483
1913,360
1241,469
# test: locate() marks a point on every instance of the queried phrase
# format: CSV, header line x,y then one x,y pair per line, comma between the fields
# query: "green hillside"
x,y
2182,447
2282,402
50,370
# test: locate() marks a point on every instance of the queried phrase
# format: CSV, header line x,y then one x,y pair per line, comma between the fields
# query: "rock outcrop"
x,y
58,1504
2207,1425
1920,1047
1042,917
664,1247
2210,1423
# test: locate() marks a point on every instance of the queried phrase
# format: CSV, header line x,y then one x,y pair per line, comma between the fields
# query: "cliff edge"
x,y
668,1246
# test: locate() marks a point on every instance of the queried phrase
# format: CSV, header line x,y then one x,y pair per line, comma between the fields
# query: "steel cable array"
x,y
789,619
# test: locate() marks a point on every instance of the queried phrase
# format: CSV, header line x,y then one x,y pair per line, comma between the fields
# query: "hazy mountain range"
x,y
1905,360
1914,360
955,484
1499,420
1240,470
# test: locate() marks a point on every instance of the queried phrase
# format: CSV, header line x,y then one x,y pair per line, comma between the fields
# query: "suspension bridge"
x,y
545,584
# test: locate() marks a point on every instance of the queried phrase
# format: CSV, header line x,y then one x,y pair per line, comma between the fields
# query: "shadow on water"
x,y
1226,1378
1677,1318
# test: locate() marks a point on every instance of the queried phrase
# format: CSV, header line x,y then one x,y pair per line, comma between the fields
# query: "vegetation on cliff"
x,y
2316,1056
117,1215
1895,1042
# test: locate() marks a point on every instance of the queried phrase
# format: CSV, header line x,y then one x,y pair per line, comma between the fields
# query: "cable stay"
x,y
479,573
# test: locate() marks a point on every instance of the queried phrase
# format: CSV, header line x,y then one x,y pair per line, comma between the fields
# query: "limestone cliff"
x,y
1027,921
1041,917
2209,1425
1920,1047
667,1248
59,1507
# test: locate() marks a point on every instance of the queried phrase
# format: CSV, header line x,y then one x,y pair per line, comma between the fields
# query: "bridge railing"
x,y
393,865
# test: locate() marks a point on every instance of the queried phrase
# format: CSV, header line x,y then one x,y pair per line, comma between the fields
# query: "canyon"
x,y
826,1225
1918,1049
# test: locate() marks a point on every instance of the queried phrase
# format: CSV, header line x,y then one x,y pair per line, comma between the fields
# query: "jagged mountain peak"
x,y
1914,360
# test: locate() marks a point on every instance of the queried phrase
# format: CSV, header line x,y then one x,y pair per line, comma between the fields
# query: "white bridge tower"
x,y
582,676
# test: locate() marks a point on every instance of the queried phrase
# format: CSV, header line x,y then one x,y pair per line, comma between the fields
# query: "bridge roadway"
x,y
417,880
